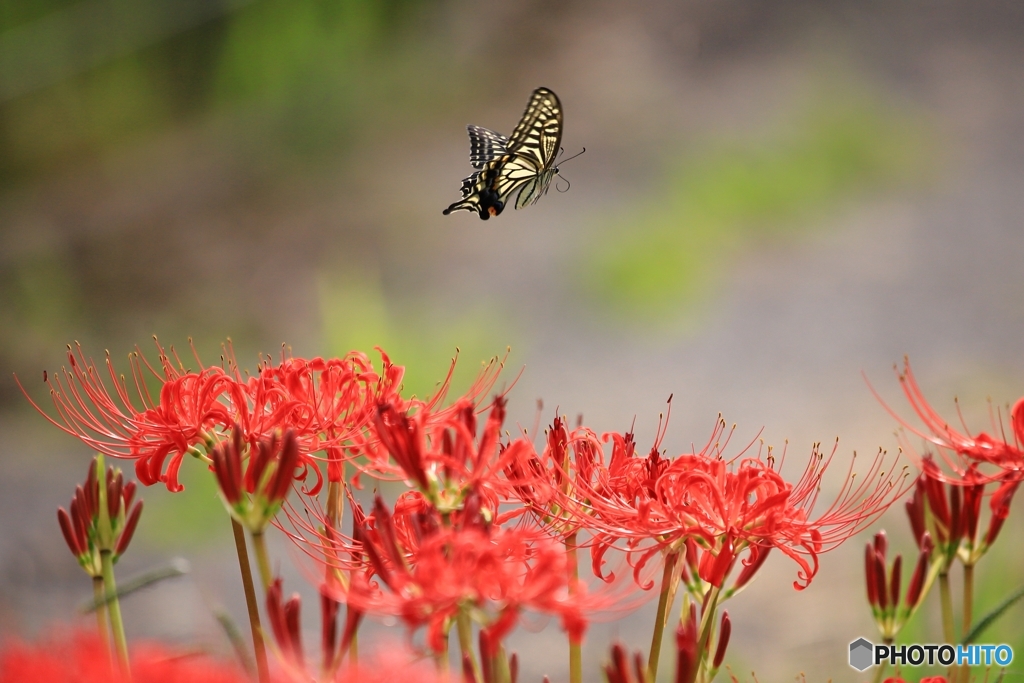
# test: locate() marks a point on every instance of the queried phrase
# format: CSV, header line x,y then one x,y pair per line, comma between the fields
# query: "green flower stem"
x,y
669,581
259,544
707,625
441,658
353,648
258,646
965,673
575,649
465,628
946,597
99,598
880,671
968,598
504,671
114,606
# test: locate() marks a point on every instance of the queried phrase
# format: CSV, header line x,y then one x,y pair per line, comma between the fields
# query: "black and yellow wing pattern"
x,y
523,162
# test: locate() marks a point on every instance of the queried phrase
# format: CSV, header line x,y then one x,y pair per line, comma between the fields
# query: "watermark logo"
x,y
865,654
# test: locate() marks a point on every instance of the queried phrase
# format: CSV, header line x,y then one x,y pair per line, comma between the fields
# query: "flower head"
x,y
960,448
102,517
326,403
725,507
431,573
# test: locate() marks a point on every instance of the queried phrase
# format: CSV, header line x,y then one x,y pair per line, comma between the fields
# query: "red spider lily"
x,y
955,523
884,586
325,402
267,479
618,670
1005,453
440,452
544,483
728,506
493,574
286,622
93,527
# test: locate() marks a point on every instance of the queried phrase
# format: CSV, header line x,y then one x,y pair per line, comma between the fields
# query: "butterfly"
x,y
524,161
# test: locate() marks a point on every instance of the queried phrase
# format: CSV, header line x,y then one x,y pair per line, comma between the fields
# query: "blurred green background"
x,y
775,198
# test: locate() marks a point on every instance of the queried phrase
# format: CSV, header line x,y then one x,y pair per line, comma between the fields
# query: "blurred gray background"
x,y
775,198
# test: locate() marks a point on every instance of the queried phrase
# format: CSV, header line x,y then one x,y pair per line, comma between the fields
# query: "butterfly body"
x,y
523,162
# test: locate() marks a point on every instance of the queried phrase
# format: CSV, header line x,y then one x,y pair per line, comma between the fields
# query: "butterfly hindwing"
x,y
484,145
524,161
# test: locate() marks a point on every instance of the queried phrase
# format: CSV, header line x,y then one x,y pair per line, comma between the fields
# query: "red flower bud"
x,y
129,529
936,494
91,491
259,458
293,621
880,588
754,560
1000,506
68,529
973,494
328,628
128,493
687,657
881,544
714,568
915,510
79,522
956,518
724,631
917,579
400,436
894,581
282,481
869,574
284,621
227,468
468,676
114,483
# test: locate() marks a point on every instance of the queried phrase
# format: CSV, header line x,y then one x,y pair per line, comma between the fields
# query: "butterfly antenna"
x,y
572,157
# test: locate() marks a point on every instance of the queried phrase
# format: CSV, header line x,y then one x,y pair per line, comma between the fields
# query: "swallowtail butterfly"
x,y
524,161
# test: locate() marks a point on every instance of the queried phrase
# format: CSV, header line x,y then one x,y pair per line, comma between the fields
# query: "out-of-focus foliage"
x,y
357,315
81,77
665,257
176,522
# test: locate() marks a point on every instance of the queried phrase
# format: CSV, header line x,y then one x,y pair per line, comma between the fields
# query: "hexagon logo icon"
x,y
861,654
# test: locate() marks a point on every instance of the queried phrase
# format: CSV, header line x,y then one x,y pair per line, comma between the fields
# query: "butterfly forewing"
x,y
539,132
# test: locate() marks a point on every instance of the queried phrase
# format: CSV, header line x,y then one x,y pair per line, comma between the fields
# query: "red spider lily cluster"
x,y
490,526
945,516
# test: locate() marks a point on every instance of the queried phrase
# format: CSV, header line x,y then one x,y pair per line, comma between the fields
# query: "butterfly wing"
x,y
533,146
524,161
484,145
478,195
539,133
535,188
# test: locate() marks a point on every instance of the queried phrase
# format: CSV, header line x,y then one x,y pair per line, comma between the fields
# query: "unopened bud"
x,y
724,631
